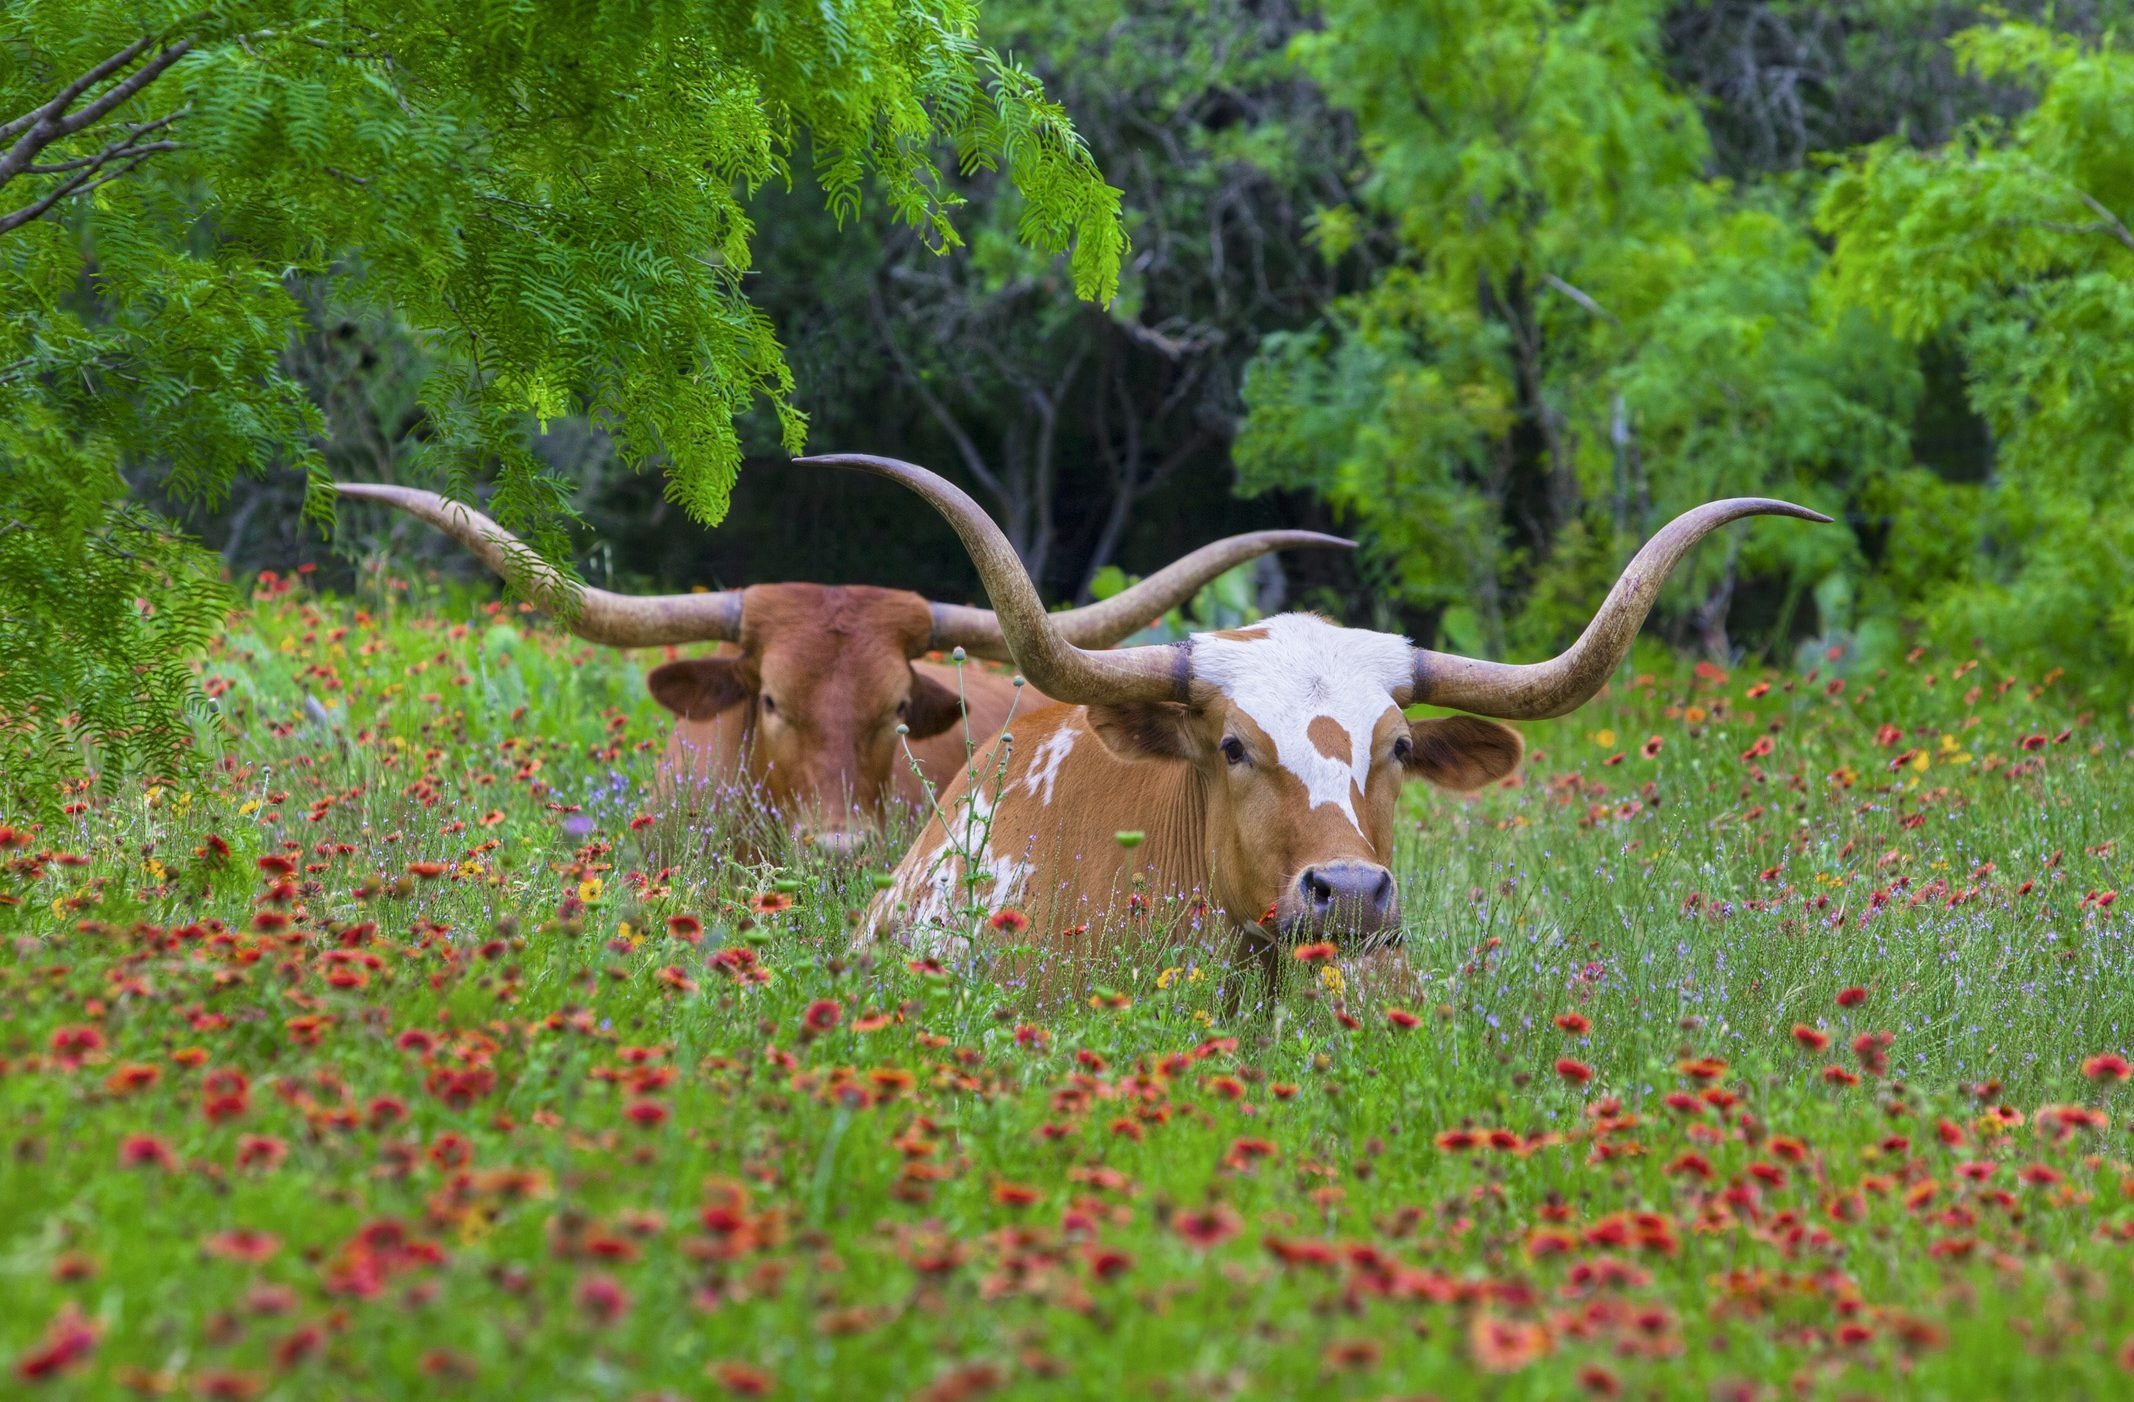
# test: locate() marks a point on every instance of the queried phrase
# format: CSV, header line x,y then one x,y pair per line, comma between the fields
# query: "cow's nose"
x,y
839,846
1358,894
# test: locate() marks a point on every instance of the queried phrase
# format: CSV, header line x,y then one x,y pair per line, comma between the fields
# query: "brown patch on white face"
x,y
1329,738
1241,635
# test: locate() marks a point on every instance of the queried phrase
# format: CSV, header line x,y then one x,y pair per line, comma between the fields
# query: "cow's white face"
x,y
1295,728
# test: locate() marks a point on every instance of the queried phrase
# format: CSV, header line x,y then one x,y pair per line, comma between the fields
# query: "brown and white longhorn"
x,y
1261,764
800,708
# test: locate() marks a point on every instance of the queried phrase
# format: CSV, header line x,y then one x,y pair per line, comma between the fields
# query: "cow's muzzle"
x,y
841,845
1341,900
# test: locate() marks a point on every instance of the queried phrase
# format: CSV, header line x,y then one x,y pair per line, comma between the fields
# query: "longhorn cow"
x,y
806,706
1260,764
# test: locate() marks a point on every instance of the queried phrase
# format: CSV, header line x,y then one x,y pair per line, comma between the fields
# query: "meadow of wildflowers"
x,y
1766,1037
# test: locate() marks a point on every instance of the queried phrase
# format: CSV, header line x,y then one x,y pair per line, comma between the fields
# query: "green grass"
x,y
497,1132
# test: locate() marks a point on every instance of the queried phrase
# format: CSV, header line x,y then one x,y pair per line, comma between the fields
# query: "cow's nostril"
x,y
1382,893
1317,889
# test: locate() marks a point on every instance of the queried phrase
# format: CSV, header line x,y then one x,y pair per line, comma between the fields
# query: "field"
x,y
1763,1039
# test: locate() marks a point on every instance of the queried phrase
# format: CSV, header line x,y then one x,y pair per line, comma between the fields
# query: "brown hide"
x,y
1252,800
802,714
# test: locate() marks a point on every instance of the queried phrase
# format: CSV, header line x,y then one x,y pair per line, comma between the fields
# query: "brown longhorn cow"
x,y
806,707
1260,764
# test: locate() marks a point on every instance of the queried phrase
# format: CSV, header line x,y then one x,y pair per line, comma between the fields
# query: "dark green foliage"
x,y
2010,244
105,609
1587,332
1583,336
555,197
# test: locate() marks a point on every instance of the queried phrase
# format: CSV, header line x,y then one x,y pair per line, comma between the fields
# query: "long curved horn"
x,y
619,620
1053,664
1103,623
1539,690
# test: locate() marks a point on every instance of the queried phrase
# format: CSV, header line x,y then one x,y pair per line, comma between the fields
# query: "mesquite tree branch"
x,y
58,118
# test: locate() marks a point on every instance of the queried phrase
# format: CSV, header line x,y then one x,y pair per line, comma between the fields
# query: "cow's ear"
x,y
933,707
701,687
1461,752
1145,730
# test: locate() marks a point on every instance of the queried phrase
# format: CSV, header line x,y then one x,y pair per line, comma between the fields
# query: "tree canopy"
x,y
555,200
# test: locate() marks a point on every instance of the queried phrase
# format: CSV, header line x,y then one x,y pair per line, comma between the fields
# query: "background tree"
x,y
2012,245
1584,334
554,199
1097,435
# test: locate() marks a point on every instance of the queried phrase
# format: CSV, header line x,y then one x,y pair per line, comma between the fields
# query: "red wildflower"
x,y
1313,953
602,1299
305,1030
1401,1020
1009,920
1107,1263
770,902
1208,1229
131,1077
1015,1194
685,927
1872,1049
261,1151
1573,1023
1303,1251
242,1244
71,1044
146,1151
642,820
822,1015
741,1379
299,1345
1575,1072
1651,748
1596,1380
648,1113
1352,1355
68,1339
225,1094
1811,1038
1505,1345
1851,997
739,963
2108,1066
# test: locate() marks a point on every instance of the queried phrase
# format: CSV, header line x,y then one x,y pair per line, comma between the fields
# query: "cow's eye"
x,y
770,707
1402,748
903,709
1233,750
